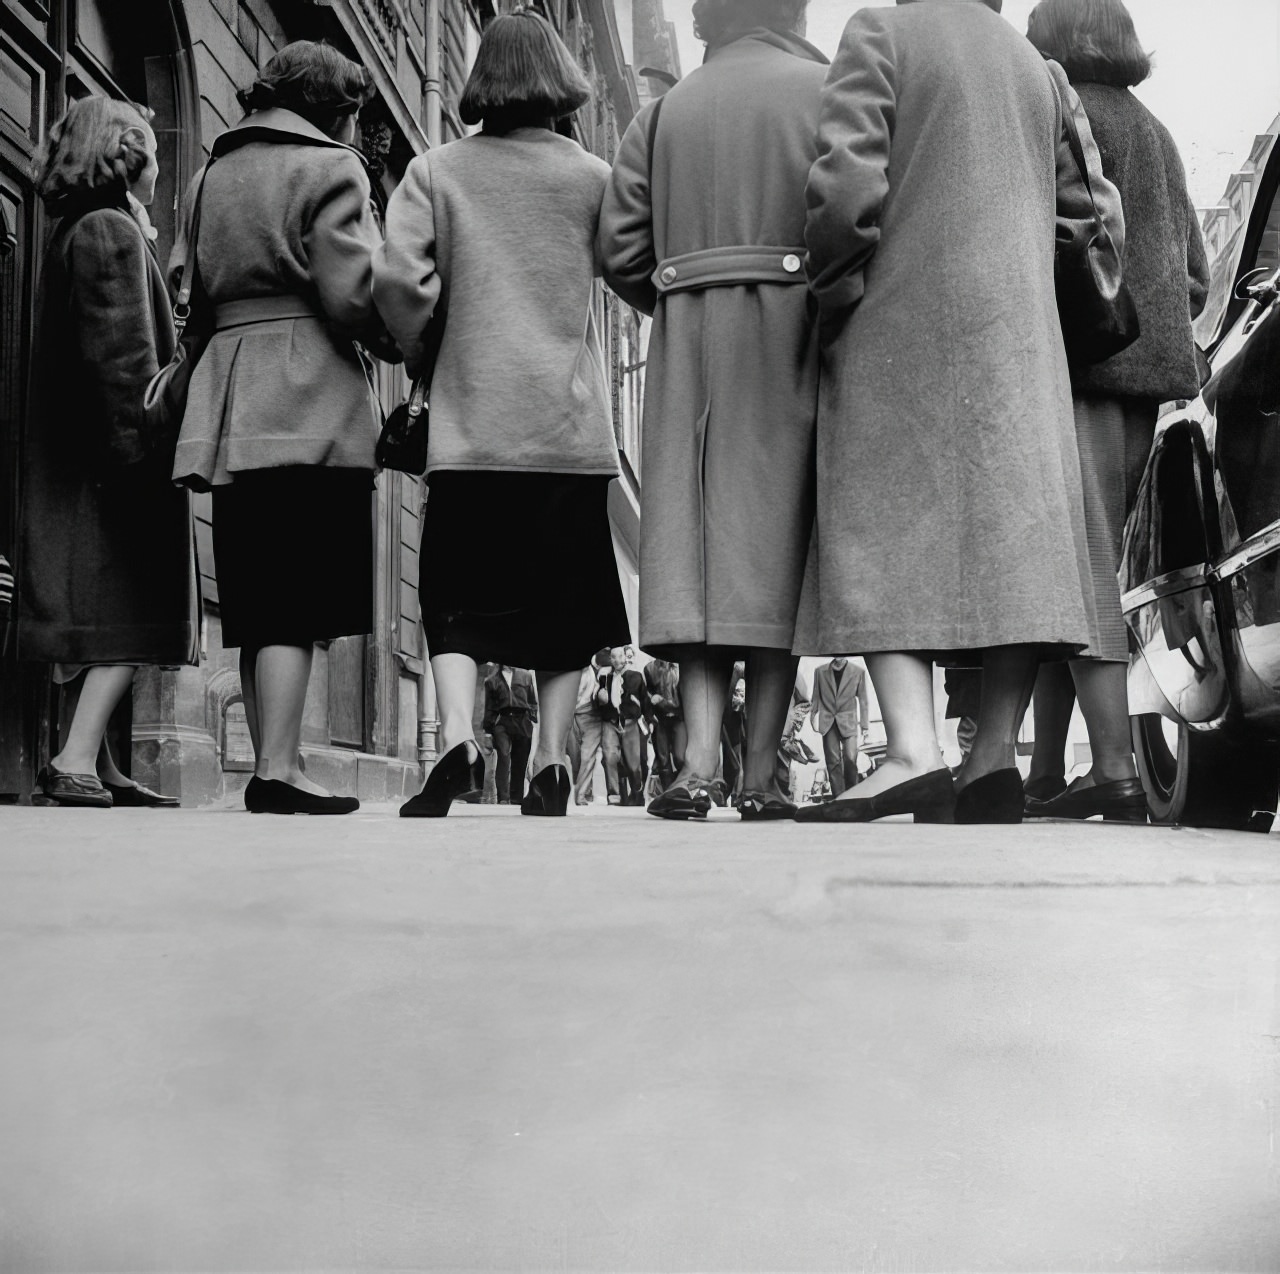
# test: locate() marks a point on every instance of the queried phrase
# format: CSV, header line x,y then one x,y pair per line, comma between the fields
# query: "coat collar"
x,y
997,5
791,43
276,125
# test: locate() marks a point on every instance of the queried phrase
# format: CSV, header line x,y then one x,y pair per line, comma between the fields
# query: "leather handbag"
x,y
165,400
402,444
1099,318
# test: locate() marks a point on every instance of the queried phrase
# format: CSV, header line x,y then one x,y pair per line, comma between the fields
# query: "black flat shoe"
x,y
548,794
931,798
1123,801
994,798
684,799
454,777
765,807
134,794
272,796
83,790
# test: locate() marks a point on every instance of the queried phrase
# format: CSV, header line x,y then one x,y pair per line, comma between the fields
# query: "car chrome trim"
x,y
1259,545
1179,581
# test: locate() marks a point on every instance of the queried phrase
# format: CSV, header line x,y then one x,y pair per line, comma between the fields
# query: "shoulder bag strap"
x,y
186,284
1059,77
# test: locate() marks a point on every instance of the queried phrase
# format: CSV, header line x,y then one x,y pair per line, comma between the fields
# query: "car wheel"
x,y
1204,780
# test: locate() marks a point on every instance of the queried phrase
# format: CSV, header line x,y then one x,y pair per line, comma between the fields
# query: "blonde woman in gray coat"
x,y
703,228
950,515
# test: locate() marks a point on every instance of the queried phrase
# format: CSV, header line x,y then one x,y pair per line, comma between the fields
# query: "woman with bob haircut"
x,y
486,281
703,227
106,565
1117,402
279,420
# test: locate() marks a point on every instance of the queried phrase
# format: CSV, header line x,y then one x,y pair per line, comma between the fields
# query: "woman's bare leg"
x,y
1008,677
456,677
904,687
771,679
557,700
1103,691
280,691
104,687
704,691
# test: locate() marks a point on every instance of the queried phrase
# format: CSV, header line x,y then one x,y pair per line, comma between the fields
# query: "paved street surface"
x,y
250,1043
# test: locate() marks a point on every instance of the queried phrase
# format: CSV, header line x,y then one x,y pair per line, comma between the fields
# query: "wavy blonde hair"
x,y
99,143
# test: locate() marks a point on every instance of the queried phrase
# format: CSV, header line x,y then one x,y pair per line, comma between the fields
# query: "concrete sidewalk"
x,y
239,1043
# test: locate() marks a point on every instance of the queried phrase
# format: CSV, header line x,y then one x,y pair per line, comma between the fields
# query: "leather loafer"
x,y
764,807
684,799
84,790
1123,801
134,794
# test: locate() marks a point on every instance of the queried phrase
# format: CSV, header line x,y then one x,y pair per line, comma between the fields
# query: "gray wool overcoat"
x,y
713,248
950,514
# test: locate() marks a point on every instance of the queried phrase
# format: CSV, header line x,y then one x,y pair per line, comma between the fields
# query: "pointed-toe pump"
x,y
994,798
548,794
930,798
455,777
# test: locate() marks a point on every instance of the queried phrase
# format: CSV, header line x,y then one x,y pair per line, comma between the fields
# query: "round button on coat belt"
x,y
791,263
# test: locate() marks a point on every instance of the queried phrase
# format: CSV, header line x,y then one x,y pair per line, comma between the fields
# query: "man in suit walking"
x,y
620,697
586,737
842,717
510,709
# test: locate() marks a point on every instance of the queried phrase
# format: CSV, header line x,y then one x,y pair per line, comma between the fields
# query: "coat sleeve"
x,y
1072,196
340,239
849,181
406,282
624,243
1197,263
114,327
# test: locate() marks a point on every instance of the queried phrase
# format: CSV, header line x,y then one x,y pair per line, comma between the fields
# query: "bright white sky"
x,y
1216,83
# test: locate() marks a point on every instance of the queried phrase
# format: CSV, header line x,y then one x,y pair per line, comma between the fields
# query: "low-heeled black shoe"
x,y
548,794
272,796
454,777
765,807
994,798
931,798
1044,788
134,794
64,788
1123,801
684,799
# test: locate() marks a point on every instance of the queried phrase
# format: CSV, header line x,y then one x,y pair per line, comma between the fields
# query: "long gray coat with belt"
x,y
713,249
950,514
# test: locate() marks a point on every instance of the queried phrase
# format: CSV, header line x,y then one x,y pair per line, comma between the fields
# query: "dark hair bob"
x,y
714,21
311,80
1093,40
522,72
100,142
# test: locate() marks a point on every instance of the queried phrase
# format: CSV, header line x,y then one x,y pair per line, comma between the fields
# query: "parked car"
x,y
1200,574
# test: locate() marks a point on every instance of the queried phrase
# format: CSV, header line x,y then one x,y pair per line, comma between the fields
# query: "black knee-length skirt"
x,y
518,568
293,548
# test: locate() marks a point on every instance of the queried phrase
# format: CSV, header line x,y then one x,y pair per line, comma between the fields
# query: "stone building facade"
x,y
370,725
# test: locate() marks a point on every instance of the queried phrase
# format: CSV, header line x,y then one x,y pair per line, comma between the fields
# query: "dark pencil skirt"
x,y
294,553
518,568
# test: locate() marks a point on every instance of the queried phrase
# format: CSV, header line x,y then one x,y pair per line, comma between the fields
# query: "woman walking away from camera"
x,y
279,419
703,227
1117,402
107,572
489,261
948,477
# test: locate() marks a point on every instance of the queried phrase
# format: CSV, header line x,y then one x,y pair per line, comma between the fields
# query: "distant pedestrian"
x,y
950,515
279,422
703,228
620,698
490,260
107,570
842,717
510,713
1117,402
585,738
663,709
